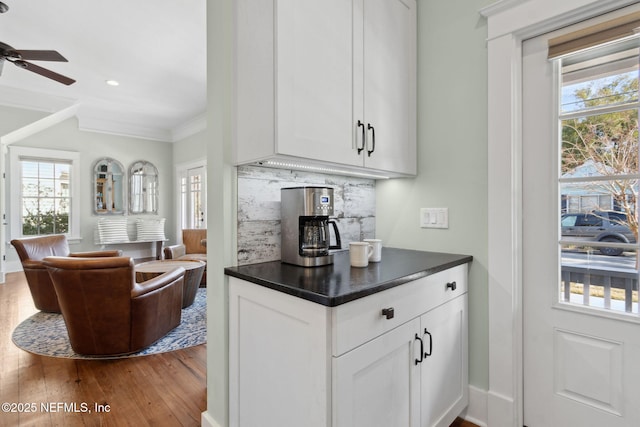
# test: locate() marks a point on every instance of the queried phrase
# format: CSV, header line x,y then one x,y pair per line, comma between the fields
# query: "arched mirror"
x,y
109,187
143,188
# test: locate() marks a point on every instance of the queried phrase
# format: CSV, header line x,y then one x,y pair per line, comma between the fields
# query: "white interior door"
x,y
580,360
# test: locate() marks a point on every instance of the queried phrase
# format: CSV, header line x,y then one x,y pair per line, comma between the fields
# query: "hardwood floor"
x,y
168,389
459,422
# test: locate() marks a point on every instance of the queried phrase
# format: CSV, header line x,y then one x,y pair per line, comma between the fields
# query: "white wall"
x,y
92,146
452,156
190,149
12,119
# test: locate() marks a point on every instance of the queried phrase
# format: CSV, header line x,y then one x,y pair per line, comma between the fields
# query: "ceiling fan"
x,y
19,57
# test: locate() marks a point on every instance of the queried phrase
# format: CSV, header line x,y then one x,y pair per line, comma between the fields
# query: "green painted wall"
x,y
452,157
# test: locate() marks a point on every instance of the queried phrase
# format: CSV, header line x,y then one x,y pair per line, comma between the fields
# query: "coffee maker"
x,y
305,213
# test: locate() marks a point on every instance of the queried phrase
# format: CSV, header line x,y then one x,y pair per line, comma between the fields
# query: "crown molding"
x,y
192,127
39,125
89,123
29,100
499,6
98,120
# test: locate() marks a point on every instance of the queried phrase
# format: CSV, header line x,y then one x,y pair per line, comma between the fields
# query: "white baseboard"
x,y
12,266
477,410
207,421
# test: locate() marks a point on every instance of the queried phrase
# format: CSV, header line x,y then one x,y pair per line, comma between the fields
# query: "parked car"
x,y
598,226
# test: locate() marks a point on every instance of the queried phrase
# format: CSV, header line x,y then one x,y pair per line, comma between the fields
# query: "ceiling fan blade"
x,y
44,72
41,55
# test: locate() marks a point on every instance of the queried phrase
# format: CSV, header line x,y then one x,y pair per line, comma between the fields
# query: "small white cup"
x,y
359,253
376,244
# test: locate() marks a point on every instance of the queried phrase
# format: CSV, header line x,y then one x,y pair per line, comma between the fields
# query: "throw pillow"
x,y
113,230
150,229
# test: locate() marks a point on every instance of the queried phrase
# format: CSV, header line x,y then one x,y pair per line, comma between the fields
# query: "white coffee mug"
x,y
376,244
359,253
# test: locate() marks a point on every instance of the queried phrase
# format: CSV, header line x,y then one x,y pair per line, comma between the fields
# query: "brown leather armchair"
x,y
193,246
31,252
106,311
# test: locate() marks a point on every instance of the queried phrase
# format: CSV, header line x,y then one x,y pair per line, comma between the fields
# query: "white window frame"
x,y
509,22
16,154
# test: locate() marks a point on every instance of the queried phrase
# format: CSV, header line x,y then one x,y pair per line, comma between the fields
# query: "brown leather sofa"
x,y
193,246
106,312
31,252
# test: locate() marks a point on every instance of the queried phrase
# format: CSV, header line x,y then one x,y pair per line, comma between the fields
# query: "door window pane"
x,y
599,176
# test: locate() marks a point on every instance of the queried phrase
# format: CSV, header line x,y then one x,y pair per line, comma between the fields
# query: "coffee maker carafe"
x,y
305,213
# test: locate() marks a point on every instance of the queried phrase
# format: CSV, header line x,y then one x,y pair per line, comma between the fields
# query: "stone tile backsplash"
x,y
259,208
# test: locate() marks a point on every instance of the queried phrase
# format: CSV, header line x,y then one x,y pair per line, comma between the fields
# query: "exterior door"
x,y
193,200
581,348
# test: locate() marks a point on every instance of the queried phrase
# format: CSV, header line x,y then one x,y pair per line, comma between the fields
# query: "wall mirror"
x,y
109,187
143,188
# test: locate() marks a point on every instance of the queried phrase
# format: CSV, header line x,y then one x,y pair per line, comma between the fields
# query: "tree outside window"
x,y
606,142
46,197
599,177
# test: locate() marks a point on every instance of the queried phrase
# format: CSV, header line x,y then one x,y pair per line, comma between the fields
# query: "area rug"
x,y
46,334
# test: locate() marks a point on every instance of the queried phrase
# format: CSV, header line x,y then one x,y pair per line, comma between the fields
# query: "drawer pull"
x,y
452,286
388,313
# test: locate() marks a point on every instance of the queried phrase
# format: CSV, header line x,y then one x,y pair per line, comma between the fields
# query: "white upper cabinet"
x,y
328,81
314,80
388,84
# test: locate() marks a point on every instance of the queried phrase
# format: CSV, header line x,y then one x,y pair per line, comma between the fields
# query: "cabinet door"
x,y
378,383
314,80
278,359
389,84
445,371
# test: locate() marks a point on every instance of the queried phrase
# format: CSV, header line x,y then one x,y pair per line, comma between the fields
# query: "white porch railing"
x,y
608,279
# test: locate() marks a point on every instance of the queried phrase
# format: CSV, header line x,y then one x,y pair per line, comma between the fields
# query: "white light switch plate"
x,y
434,217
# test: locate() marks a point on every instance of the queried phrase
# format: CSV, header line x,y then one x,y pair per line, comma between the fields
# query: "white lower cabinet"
x,y
296,363
389,381
378,383
444,378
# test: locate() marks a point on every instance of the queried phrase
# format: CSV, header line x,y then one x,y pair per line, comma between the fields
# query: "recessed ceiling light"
x,y
112,82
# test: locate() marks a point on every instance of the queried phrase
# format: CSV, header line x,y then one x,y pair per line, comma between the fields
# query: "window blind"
x,y
615,29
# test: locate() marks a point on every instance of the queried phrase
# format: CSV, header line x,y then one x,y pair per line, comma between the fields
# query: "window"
x,y
192,198
44,187
599,176
191,187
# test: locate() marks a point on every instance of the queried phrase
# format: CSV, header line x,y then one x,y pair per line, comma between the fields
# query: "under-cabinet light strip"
x,y
321,169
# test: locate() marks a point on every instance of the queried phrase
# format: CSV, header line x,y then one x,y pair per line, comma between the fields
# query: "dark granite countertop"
x,y
338,283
